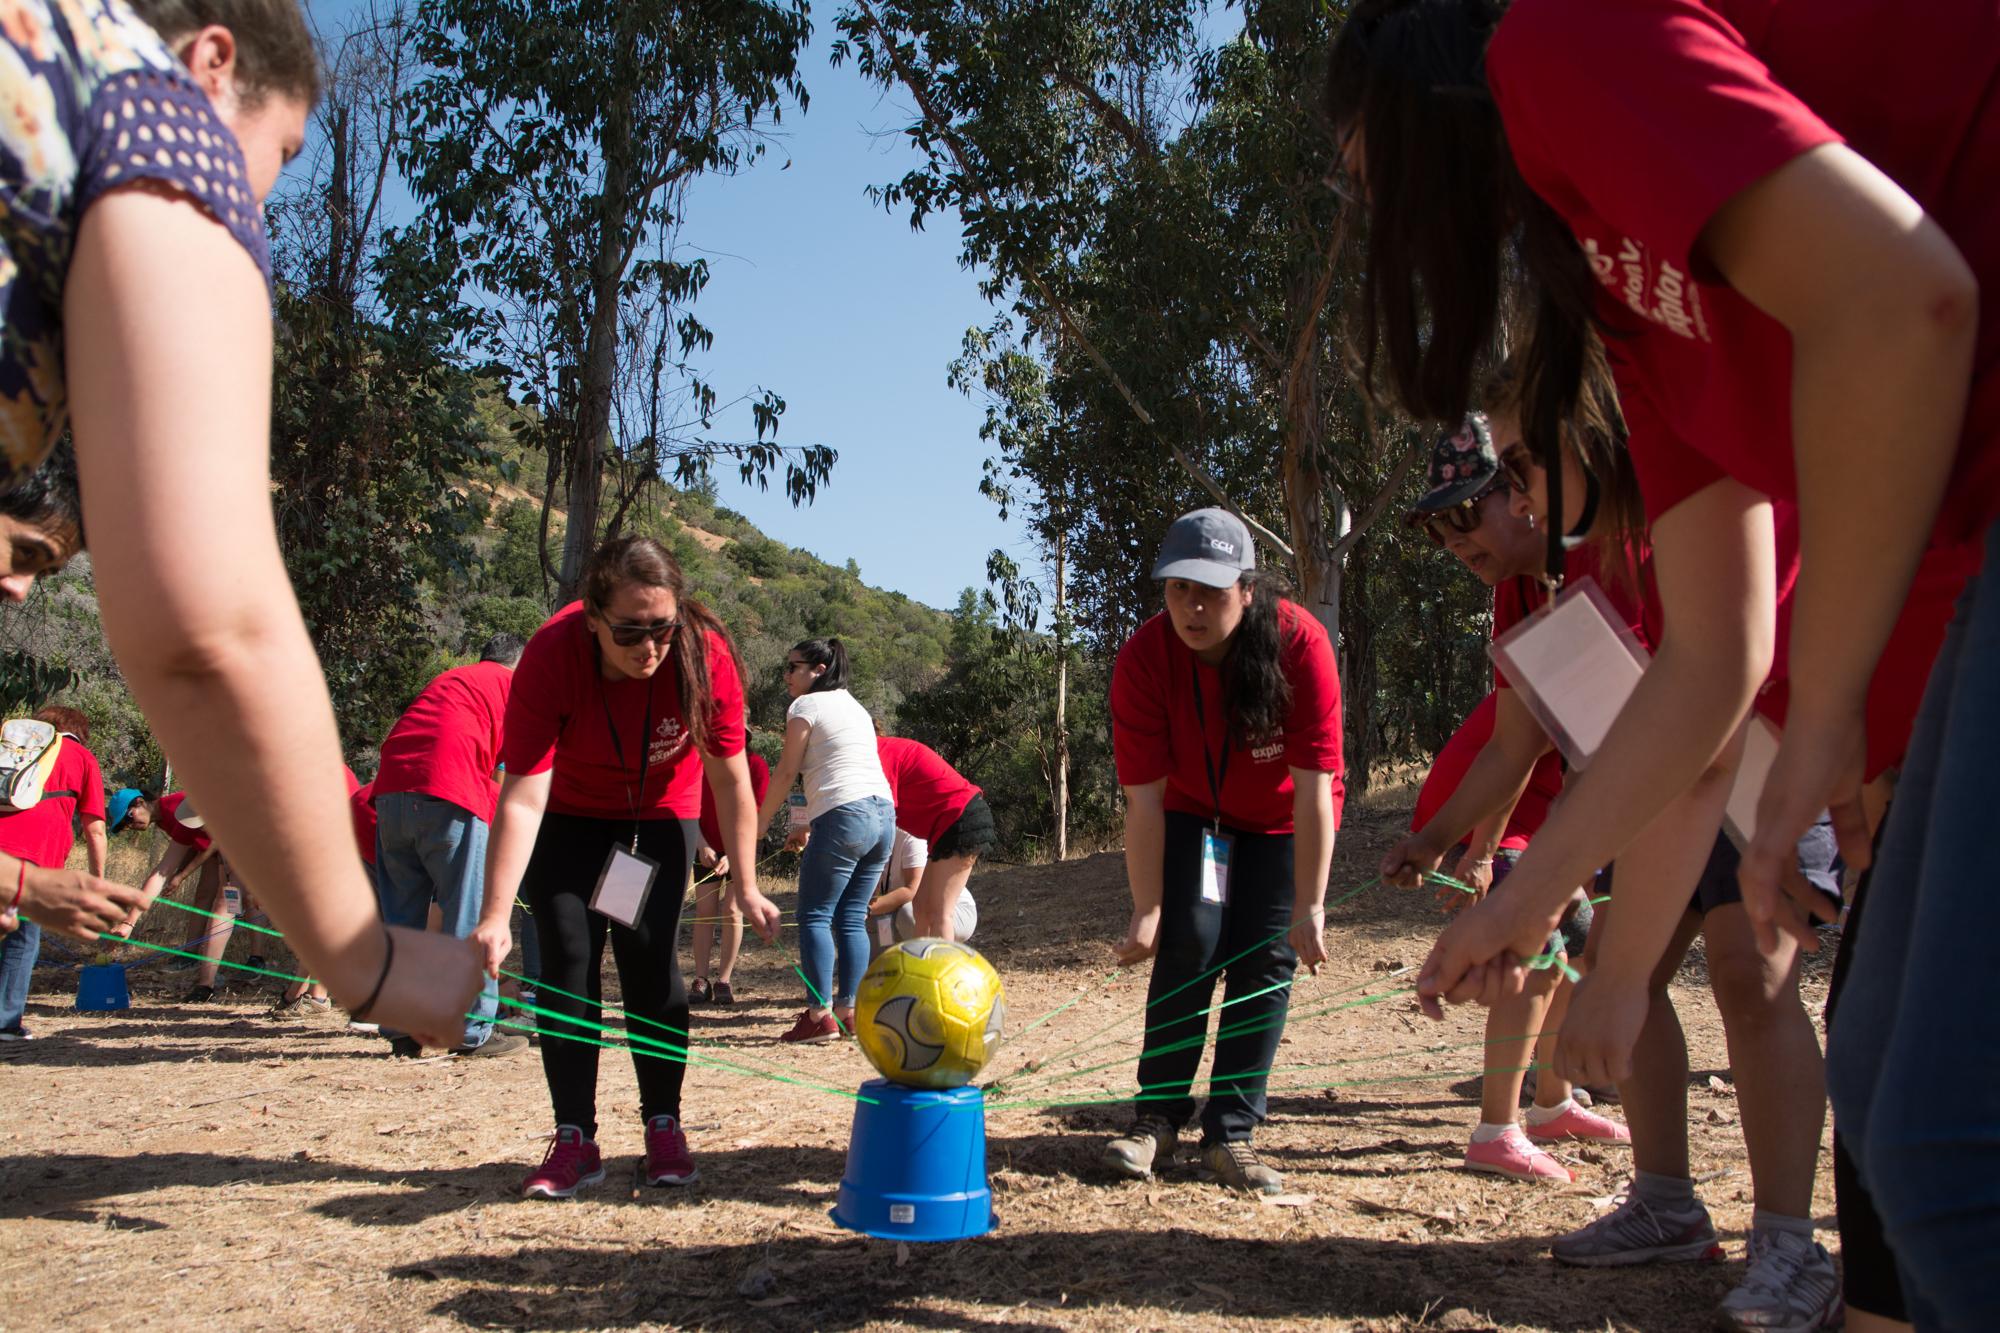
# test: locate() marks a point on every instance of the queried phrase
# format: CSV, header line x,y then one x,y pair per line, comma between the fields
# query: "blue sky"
x,y
852,317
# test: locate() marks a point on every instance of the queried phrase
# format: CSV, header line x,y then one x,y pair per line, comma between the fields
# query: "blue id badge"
x,y
1215,849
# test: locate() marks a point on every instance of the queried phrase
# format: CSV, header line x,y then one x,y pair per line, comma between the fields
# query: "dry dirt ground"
x,y
178,1166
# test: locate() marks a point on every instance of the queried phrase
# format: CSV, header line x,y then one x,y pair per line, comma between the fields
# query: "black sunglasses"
x,y
631,636
1461,518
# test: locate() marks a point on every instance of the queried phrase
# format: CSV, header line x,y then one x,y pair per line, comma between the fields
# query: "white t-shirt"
x,y
909,854
841,762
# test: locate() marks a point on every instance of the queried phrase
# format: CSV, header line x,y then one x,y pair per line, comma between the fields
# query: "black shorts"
x,y
1566,938
972,834
1819,862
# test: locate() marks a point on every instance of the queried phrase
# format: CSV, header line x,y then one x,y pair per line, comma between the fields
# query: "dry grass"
x,y
181,1167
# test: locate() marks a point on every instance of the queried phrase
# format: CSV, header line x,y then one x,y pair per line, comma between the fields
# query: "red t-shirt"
x,y
1632,595
361,801
1637,121
1449,769
44,834
447,742
1690,104
1156,731
196,838
563,713
929,794
711,821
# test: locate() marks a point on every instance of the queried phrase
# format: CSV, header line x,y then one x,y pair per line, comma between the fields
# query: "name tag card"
x,y
623,886
1575,664
1215,849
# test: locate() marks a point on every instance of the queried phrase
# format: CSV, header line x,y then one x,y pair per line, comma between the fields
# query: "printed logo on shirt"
x,y
1652,288
1265,753
668,740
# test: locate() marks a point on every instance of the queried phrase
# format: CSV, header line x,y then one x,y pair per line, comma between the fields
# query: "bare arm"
x,y
1312,861
1145,867
797,732
1490,789
736,811
1881,367
168,339
97,845
1715,564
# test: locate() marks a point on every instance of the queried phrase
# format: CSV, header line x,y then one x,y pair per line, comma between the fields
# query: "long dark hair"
x,y
828,653
627,560
1255,692
1459,246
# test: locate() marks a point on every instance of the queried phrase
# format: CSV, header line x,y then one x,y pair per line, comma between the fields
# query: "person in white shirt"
x,y
894,912
830,746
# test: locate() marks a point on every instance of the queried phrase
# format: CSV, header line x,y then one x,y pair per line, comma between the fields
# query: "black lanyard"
x,y
1215,781
618,747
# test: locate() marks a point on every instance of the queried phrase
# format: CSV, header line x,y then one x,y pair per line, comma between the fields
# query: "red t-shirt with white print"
x,y
1157,732
563,714
1686,105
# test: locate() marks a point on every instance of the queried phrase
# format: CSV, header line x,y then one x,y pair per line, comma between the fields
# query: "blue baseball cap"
x,y
121,805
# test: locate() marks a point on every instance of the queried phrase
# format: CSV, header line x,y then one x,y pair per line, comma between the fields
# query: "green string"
x,y
667,1050
1079,998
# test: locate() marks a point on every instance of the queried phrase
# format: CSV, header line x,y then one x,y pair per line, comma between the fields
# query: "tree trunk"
x,y
591,425
1062,702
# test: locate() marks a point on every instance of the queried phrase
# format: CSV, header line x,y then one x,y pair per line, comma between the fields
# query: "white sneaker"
x,y
1790,1287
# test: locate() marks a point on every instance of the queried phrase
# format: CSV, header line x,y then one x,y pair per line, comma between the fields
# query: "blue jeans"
x,y
428,848
1913,1063
843,863
18,952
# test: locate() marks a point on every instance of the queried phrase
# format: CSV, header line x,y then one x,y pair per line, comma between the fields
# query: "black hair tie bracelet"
x,y
388,959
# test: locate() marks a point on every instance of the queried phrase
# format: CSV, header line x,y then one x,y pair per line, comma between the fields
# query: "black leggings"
x,y
562,874
1196,936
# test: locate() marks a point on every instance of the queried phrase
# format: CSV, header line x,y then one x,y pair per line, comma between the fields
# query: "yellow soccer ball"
x,y
929,1012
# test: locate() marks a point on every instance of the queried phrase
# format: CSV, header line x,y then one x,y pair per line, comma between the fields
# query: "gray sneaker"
x,y
1133,1154
1236,1165
500,1043
1790,1287
1635,1232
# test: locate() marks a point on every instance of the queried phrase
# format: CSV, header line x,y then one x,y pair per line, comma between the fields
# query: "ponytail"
x,y
1254,688
829,653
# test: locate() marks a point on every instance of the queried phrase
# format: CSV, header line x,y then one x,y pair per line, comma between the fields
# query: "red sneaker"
x,y
570,1163
809,1029
1581,1125
667,1159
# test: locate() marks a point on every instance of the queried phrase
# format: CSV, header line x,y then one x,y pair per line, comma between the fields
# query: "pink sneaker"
x,y
1577,1123
570,1163
1512,1155
667,1159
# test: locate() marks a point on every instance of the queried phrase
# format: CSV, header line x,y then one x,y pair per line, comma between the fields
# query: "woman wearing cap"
x,y
620,704
135,284
1225,716
830,743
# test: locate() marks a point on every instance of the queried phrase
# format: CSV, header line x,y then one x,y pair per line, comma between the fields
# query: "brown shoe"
x,y
1236,1165
1151,1141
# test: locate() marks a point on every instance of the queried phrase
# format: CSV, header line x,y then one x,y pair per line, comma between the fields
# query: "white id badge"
x,y
1215,849
1574,665
623,886
1760,749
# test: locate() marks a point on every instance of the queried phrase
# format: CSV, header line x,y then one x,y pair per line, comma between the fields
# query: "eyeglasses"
x,y
1518,467
631,636
1461,518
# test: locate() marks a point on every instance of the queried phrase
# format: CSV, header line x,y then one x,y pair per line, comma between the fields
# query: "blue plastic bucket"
x,y
916,1164
101,987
